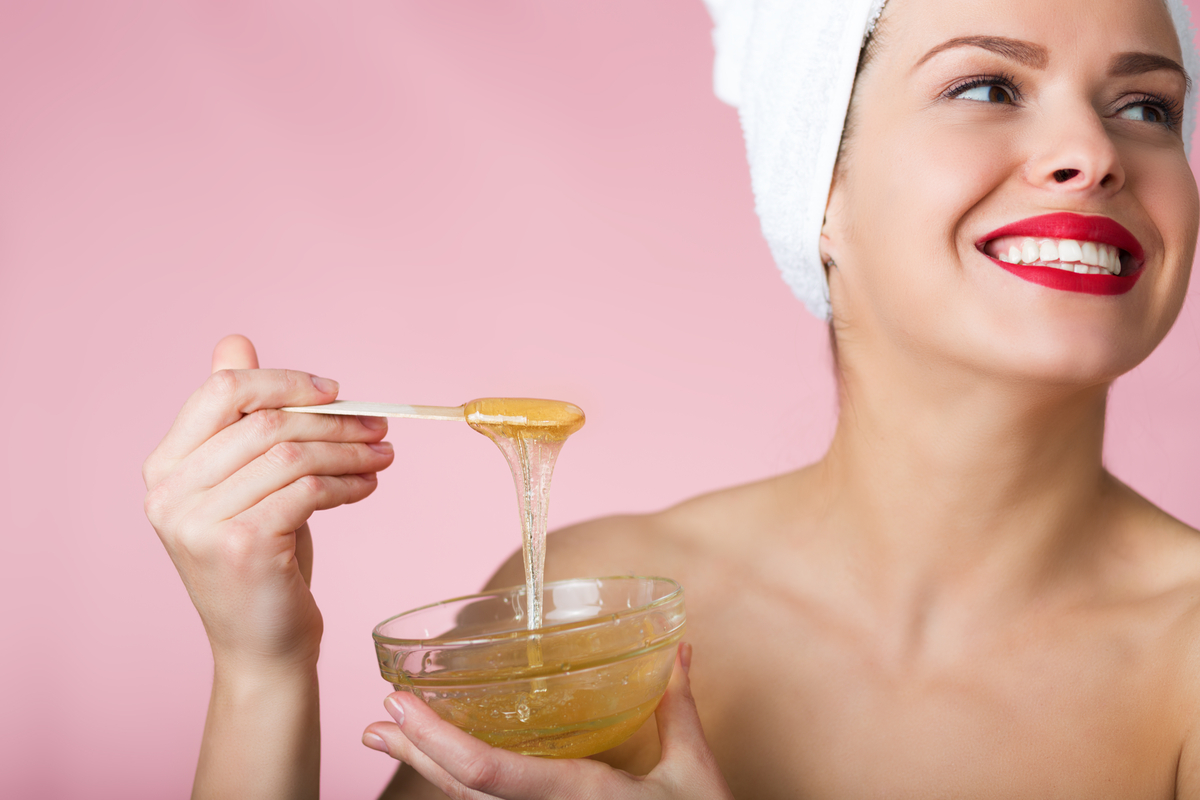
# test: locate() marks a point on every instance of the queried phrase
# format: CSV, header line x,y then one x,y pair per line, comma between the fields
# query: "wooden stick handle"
x,y
360,409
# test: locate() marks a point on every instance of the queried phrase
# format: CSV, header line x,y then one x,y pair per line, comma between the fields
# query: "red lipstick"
x,y
1101,230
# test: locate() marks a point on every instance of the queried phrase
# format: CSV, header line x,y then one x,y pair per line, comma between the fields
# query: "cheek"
x,y
911,190
911,276
1166,188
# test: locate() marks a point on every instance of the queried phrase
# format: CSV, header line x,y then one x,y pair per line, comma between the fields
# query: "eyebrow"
x,y
1027,53
1123,65
1127,64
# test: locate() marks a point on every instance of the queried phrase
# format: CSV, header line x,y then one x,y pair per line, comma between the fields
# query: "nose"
x,y
1075,154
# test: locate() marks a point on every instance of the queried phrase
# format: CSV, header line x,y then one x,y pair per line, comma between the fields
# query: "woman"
x,y
957,600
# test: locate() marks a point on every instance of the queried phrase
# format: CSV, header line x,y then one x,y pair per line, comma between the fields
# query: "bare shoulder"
x,y
675,542
1181,634
1160,552
679,542
696,543
1161,559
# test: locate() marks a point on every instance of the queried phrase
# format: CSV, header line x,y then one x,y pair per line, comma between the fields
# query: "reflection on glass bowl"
x,y
580,685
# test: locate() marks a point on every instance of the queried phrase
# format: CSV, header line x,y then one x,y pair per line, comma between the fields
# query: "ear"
x,y
827,257
831,226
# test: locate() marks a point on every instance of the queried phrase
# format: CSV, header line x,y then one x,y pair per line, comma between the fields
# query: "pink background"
x,y
429,201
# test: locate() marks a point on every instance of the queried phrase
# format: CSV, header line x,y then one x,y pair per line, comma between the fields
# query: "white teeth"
x,y
1029,251
1069,250
1090,254
1110,259
1070,255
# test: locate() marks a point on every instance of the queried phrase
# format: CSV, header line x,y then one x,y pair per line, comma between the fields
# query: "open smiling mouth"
x,y
1070,252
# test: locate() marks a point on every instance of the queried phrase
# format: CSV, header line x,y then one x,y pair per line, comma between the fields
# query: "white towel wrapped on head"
x,y
788,66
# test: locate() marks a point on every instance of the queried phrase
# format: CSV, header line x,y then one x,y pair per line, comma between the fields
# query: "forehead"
x,y
913,26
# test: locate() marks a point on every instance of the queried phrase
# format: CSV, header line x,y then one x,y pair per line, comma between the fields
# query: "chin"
x,y
1051,364
995,327
1064,346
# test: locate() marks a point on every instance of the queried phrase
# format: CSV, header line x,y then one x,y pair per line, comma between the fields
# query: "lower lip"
x,y
1072,281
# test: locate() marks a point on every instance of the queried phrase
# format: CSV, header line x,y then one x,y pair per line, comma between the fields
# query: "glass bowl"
x,y
579,685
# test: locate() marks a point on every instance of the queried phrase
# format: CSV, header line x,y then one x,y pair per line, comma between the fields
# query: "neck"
x,y
964,485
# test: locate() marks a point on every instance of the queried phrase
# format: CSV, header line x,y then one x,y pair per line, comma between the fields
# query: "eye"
x,y
1144,112
1155,109
987,93
992,89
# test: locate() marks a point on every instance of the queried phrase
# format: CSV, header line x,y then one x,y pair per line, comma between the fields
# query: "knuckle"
x,y
481,774
310,486
266,424
223,384
457,791
363,487
353,454
188,546
238,548
150,471
294,380
286,455
157,504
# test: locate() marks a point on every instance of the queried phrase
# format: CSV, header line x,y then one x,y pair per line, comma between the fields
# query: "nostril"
x,y
1064,175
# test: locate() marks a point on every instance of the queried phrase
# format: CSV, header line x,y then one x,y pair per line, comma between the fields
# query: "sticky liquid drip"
x,y
535,703
530,433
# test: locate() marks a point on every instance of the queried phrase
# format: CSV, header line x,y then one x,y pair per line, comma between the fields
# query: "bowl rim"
x,y
671,596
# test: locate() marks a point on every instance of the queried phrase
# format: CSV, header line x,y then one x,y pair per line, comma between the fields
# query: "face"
x,y
1038,139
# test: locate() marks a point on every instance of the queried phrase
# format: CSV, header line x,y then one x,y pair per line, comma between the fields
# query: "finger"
x,y
289,508
687,761
287,463
398,746
678,720
304,551
493,771
232,448
276,527
286,511
234,352
223,399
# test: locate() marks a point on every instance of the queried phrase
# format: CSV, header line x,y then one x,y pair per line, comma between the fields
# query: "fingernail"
x,y
324,385
395,710
374,742
374,423
381,447
685,658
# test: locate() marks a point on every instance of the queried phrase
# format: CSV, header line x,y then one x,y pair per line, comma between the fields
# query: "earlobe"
x,y
829,228
826,250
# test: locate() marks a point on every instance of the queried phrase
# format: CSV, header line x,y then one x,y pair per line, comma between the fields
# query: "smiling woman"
x,y
1036,117
1076,247
958,599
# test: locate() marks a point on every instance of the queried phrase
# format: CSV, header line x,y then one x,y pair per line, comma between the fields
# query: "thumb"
x,y
687,762
234,352
678,721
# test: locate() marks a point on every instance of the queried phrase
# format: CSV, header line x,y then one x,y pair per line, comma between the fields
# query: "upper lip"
x,y
1064,225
